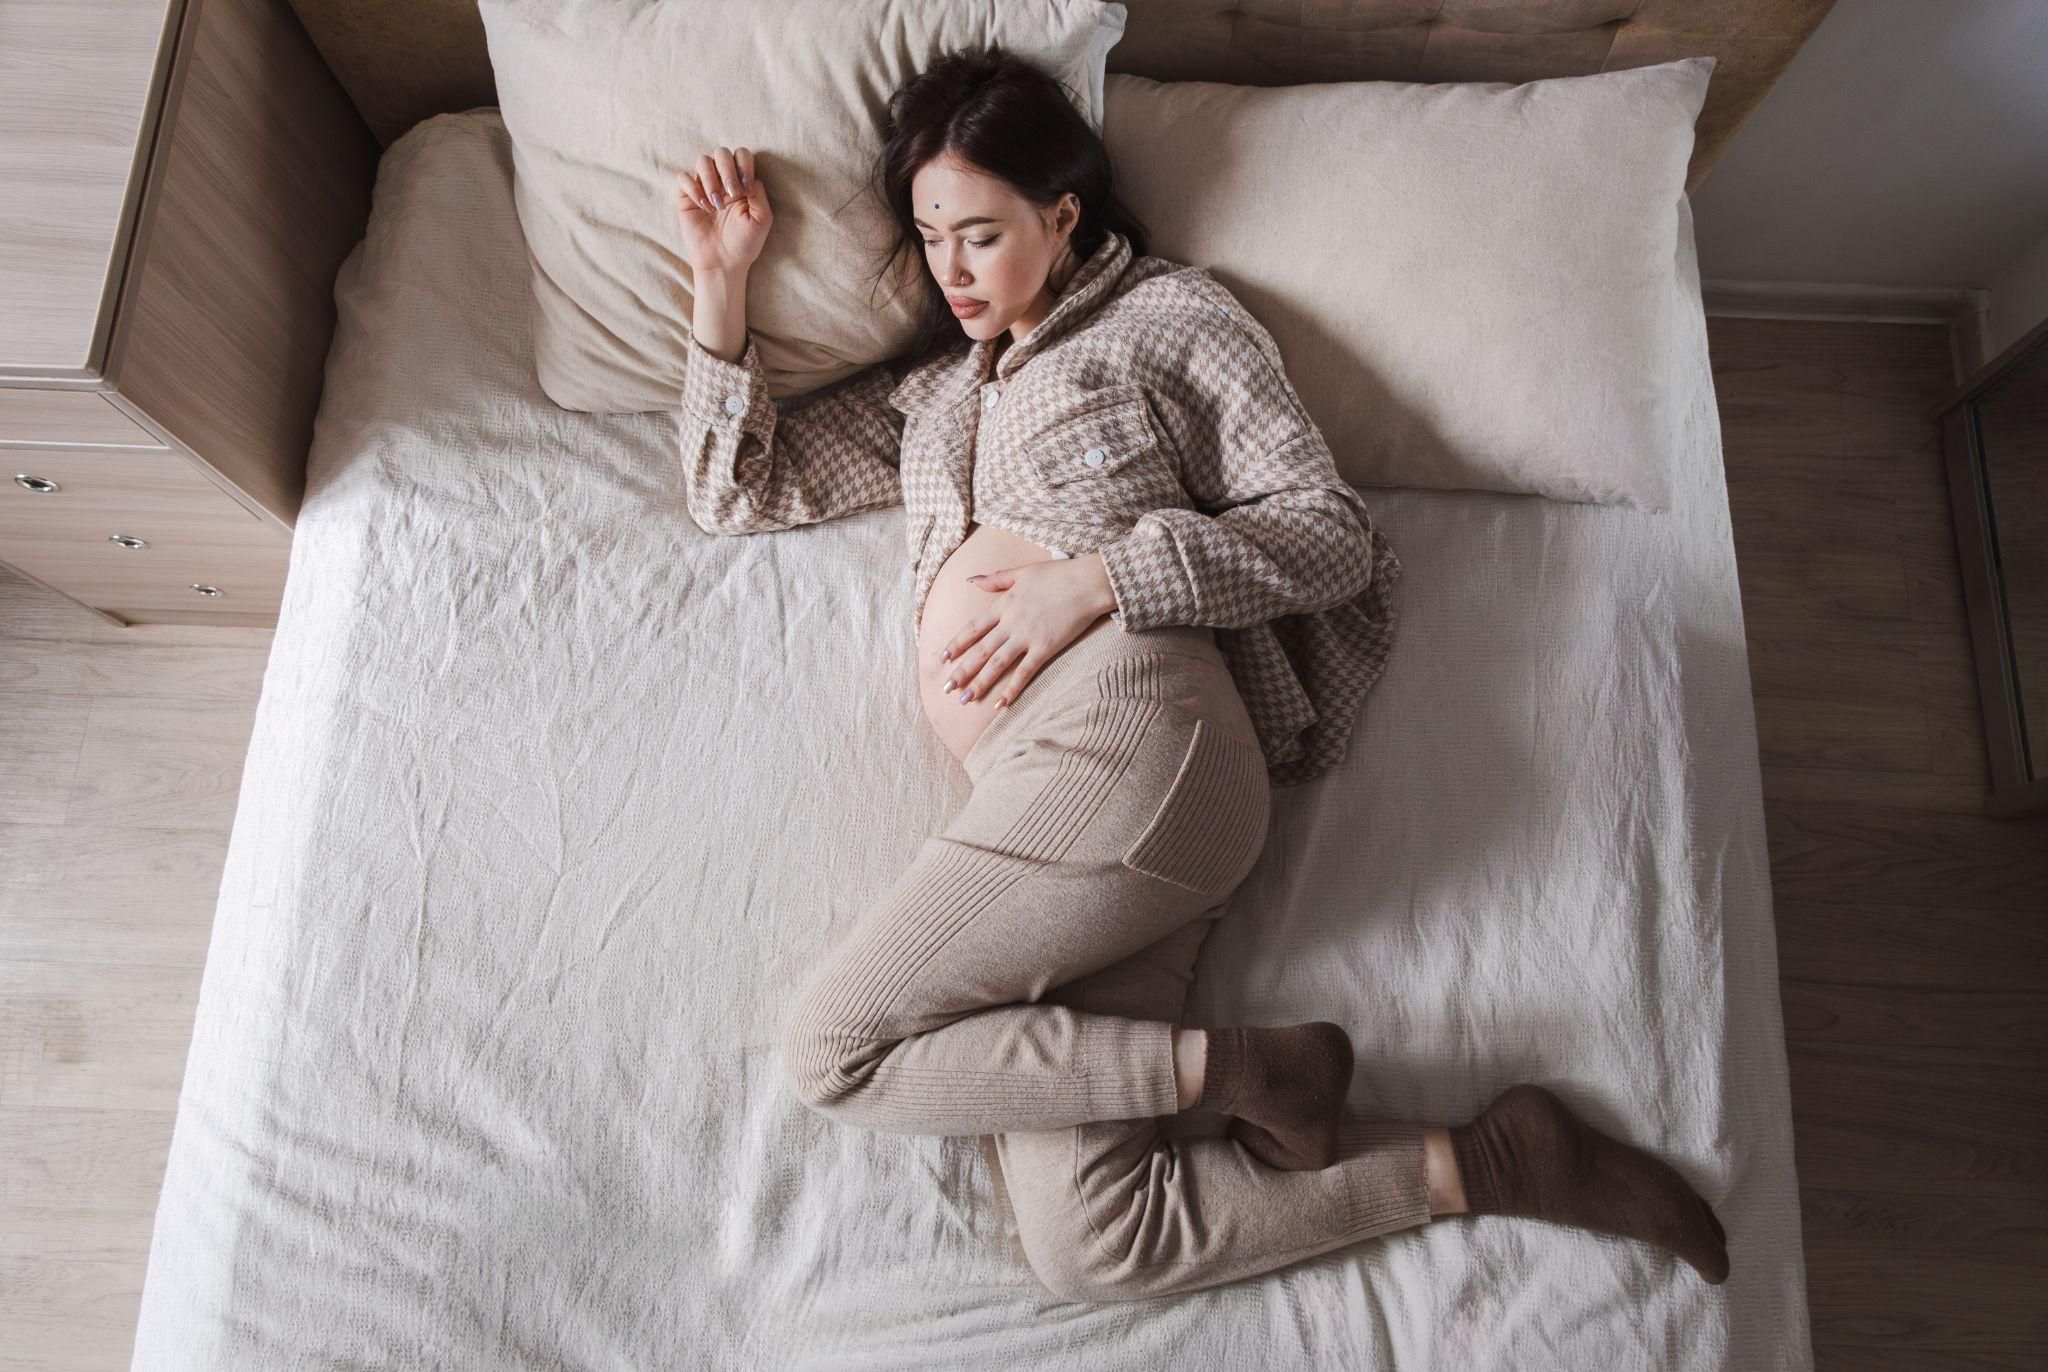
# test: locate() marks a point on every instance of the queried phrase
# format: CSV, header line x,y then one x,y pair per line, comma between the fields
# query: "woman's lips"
x,y
967,311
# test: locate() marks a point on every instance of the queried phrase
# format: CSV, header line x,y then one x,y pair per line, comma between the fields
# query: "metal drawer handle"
x,y
40,485
205,589
126,542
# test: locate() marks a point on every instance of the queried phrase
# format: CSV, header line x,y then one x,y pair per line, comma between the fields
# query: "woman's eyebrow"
x,y
962,223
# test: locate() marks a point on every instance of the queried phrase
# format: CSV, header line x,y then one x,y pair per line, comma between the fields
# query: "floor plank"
x,y
1827,1011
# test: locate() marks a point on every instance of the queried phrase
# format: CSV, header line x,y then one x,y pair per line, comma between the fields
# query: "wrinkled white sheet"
x,y
552,798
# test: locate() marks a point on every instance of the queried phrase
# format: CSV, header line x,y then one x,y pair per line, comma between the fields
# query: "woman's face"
x,y
984,242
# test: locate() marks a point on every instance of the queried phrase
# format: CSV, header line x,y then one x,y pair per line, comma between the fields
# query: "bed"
x,y
552,798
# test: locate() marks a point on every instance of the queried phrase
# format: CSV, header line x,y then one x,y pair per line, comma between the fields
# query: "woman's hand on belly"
x,y
1035,609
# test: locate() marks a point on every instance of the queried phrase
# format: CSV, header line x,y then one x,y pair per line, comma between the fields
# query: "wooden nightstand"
x,y
182,178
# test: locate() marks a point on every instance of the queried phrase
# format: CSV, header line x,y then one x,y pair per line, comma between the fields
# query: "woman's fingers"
x,y
717,178
700,190
689,197
953,655
968,660
982,679
728,169
957,647
1006,673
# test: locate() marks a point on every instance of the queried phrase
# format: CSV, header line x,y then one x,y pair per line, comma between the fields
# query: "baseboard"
x,y
1967,313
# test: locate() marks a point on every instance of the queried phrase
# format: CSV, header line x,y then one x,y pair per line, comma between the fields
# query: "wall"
x,y
2019,297
1907,145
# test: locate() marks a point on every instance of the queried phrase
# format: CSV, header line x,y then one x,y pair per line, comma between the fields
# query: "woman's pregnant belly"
x,y
948,607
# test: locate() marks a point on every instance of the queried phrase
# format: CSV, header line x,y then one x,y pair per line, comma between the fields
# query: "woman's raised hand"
x,y
724,211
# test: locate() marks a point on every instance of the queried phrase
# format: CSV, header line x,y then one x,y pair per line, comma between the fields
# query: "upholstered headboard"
x,y
403,60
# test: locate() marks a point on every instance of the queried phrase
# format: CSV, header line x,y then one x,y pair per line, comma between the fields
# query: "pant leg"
x,y
1117,1210
1122,801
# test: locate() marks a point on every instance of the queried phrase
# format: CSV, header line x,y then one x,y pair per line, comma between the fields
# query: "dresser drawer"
x,y
86,417
60,512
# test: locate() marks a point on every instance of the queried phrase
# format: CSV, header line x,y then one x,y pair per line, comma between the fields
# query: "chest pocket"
x,y
1112,434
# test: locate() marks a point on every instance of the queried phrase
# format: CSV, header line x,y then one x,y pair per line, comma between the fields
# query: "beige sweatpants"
x,y
1023,979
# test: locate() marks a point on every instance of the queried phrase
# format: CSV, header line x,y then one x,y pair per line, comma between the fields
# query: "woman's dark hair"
x,y
1007,117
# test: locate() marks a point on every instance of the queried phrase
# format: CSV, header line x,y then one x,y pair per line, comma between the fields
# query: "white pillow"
x,y
1471,284
607,101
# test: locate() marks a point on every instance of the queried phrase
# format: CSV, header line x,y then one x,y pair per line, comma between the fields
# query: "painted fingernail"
x,y
717,200
966,696
945,654
948,686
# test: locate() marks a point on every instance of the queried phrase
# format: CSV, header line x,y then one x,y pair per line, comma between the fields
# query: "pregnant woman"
x,y
1107,470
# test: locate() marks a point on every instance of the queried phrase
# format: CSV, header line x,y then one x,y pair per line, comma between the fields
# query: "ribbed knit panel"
x,y
856,1044
1386,1179
1475,1170
1116,1211
1222,1069
1086,776
1137,675
1210,828
1109,1068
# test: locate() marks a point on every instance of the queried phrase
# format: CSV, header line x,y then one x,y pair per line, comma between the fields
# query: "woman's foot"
x,y
1527,1154
1286,1086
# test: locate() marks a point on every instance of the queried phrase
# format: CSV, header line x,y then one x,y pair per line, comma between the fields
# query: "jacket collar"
x,y
951,378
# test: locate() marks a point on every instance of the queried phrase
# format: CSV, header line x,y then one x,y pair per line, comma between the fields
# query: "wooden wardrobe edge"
x,y
348,177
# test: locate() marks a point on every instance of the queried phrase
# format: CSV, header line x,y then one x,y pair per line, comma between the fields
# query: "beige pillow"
x,y
1471,284
607,103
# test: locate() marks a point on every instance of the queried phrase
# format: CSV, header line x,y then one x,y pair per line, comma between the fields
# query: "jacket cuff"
x,y
725,395
1147,580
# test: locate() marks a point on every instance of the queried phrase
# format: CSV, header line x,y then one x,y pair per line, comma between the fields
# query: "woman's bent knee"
x,y
1060,1242
1062,1253
1078,1269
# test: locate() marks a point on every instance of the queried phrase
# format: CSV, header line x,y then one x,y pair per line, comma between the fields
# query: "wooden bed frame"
x,y
403,60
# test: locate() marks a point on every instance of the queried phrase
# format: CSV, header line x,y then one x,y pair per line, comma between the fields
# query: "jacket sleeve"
x,y
749,468
1276,530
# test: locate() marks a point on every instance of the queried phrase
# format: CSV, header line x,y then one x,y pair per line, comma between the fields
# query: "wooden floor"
x,y
120,755
1911,928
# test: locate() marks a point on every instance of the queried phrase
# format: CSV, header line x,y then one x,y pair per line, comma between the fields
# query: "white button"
x,y
988,397
734,404
1093,457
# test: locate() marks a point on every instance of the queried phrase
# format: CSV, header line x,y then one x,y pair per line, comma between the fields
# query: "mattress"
x,y
552,799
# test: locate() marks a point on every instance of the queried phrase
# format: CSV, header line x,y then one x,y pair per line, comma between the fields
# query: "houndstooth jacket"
x,y
1147,417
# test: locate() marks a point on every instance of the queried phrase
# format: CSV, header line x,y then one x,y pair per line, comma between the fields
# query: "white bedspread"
x,y
552,798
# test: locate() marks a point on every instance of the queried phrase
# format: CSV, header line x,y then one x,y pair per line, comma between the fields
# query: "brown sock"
x,y
1527,1154
1286,1086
